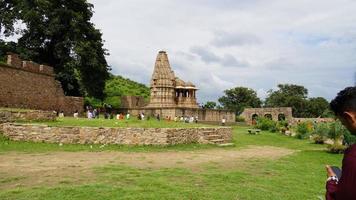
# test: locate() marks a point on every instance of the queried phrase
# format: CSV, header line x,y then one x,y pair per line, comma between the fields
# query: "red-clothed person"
x,y
344,106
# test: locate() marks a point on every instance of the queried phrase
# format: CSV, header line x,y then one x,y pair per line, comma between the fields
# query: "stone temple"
x,y
167,90
171,96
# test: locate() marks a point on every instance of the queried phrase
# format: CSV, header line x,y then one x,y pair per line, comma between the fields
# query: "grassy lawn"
x,y
135,123
300,175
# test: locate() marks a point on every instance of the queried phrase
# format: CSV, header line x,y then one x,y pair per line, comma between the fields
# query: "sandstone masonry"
x,y
31,115
25,84
171,97
126,136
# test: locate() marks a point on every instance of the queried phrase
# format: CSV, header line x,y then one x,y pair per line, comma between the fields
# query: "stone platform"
x,y
122,136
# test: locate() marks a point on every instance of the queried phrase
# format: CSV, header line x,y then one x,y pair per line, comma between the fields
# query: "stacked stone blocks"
x,y
25,84
124,136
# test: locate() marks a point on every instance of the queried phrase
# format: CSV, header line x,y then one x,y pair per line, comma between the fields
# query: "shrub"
x,y
320,133
240,119
336,148
336,130
266,124
304,129
349,139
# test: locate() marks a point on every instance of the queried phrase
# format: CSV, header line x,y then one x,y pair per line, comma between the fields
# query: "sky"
x,y
221,44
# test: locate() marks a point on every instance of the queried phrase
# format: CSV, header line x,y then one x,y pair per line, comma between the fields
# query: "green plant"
x,y
336,130
303,130
240,119
266,124
336,148
349,139
320,133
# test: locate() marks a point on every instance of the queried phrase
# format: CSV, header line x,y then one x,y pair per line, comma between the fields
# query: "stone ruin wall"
x,y
25,84
317,120
205,115
248,113
31,115
125,136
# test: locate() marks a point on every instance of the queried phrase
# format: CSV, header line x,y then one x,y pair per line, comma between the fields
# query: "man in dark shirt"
x,y
344,106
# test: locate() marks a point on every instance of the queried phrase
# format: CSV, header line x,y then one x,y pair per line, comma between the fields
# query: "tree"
x,y
59,33
317,107
289,95
239,98
210,105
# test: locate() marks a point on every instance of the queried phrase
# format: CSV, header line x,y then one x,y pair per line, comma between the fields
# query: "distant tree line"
x,y
287,95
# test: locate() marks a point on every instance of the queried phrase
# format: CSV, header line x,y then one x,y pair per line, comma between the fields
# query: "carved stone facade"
x,y
276,114
25,84
171,97
167,90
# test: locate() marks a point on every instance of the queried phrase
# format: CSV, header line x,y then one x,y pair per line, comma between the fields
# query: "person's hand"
x,y
329,171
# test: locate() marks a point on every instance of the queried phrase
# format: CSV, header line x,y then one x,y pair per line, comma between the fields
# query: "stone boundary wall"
x,y
25,84
317,120
31,115
125,136
204,115
250,113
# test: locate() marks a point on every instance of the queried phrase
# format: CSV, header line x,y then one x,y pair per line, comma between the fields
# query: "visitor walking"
x,y
344,187
76,114
223,121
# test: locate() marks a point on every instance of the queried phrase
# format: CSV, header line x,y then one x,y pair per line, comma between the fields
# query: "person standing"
x,y
344,107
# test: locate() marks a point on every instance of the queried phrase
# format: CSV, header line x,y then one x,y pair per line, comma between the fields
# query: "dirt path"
x,y
18,169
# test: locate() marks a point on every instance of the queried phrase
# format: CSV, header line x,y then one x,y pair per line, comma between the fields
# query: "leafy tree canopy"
x,y
239,98
210,105
116,87
295,96
317,107
58,33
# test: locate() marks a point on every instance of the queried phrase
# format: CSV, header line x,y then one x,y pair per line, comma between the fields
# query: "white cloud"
x,y
222,44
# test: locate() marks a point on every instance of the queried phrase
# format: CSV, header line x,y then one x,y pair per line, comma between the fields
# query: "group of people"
x,y
186,119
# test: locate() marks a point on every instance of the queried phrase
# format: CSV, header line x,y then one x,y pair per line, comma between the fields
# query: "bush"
x,y
349,139
266,124
320,133
240,119
304,130
336,148
336,130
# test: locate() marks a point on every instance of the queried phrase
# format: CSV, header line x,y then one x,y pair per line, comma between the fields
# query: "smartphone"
x,y
337,171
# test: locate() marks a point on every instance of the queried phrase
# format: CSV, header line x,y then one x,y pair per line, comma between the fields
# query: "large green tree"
x,y
58,33
239,98
317,107
210,105
289,95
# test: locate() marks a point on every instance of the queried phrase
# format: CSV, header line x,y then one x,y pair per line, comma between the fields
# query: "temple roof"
x,y
163,75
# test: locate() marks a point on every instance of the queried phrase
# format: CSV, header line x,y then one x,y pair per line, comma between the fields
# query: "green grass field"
x,y
152,123
299,175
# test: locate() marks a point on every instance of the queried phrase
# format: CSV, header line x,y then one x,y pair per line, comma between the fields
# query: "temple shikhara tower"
x,y
171,97
167,90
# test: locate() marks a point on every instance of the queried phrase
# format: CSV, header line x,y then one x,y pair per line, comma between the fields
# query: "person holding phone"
x,y
344,187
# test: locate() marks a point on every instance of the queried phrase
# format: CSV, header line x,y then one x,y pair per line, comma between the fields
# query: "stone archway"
x,y
281,117
268,116
254,119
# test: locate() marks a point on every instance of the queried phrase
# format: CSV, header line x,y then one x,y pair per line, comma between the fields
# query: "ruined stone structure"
x,y
128,136
276,114
171,96
167,90
9,115
25,84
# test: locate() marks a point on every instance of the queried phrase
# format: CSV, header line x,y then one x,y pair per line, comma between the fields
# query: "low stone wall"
x,y
30,115
317,120
127,136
